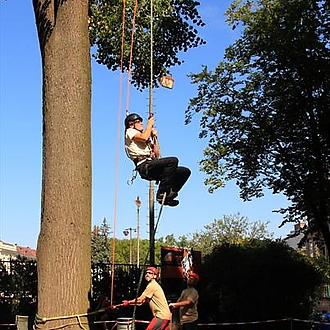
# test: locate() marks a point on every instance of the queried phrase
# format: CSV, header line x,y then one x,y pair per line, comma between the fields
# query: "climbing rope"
x,y
129,73
119,126
151,57
127,111
117,151
42,320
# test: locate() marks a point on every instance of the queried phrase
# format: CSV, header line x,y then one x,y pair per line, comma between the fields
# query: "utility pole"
x,y
151,224
138,204
151,185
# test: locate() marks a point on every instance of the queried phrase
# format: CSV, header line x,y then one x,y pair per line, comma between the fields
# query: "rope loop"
x,y
130,181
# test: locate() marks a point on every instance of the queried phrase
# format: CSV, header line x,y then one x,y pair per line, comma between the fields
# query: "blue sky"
x,y
20,138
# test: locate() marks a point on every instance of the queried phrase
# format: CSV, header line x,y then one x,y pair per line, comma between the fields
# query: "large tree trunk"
x,y
63,251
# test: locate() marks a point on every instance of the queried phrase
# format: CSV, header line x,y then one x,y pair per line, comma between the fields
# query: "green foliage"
x,y
171,240
18,283
175,24
125,282
260,280
230,229
101,248
123,247
265,108
103,245
322,265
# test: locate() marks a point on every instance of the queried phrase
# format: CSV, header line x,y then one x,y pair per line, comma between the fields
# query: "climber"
x,y
142,148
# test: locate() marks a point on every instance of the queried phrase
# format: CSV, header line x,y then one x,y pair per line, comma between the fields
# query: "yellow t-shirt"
x,y
157,300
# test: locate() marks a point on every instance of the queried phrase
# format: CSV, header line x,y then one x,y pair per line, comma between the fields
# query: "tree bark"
x,y
64,243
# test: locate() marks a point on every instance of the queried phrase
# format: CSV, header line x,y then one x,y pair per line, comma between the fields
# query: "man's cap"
x,y
153,269
195,276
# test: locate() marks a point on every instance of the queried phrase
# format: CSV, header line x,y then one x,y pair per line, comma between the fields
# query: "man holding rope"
x,y
187,303
154,295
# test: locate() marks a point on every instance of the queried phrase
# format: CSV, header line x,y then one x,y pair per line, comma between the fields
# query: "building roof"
x,y
26,252
10,251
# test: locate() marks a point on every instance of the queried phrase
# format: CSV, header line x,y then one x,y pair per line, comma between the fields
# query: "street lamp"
x,y
126,232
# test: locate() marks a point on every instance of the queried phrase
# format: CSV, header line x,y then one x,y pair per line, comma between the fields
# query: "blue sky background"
x,y
21,138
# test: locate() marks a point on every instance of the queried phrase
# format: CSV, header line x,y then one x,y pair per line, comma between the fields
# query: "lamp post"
x,y
138,204
126,232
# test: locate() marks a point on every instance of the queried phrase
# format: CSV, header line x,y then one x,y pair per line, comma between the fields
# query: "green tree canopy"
x,y
261,280
175,24
171,240
102,245
230,229
265,108
101,248
18,288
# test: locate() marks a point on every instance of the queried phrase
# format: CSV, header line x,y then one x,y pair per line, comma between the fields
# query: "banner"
x,y
178,263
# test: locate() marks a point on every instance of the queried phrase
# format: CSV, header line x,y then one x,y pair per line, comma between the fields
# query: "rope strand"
x,y
129,74
119,124
117,150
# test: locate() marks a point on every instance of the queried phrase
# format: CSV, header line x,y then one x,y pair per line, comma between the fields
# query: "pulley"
x,y
166,81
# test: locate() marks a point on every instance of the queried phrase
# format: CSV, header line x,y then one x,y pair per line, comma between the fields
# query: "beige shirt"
x,y
135,148
157,300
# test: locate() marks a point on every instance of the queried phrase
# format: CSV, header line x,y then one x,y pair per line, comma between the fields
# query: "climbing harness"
x,y
130,181
139,160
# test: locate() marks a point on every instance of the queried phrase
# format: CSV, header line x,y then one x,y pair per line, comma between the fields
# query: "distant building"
x,y
311,249
9,251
